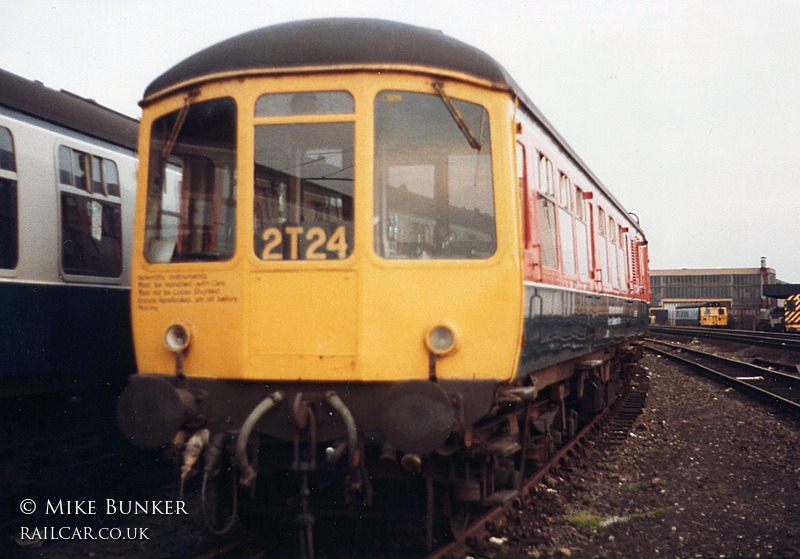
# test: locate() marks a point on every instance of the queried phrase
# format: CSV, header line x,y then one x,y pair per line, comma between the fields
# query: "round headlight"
x,y
440,339
177,338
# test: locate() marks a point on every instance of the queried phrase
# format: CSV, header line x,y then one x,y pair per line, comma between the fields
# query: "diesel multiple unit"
x,y
362,253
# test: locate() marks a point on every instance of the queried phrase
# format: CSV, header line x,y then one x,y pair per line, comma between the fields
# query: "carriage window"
x,y
111,177
9,242
191,198
434,196
602,244
565,191
581,234
81,169
303,203
65,166
545,175
91,173
580,205
612,252
547,214
91,236
565,225
91,217
623,262
97,177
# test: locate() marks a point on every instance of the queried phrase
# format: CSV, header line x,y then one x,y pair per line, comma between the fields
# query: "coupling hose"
x,y
248,473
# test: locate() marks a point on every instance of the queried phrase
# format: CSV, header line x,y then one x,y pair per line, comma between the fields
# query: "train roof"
x,y
350,43
68,110
781,290
320,43
697,305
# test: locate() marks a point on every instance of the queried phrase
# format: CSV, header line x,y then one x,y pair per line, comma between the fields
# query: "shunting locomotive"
x,y
713,313
362,252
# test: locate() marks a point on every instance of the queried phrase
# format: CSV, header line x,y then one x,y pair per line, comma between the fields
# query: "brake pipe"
x,y
248,473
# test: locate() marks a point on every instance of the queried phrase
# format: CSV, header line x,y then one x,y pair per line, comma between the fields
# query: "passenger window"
x,y
91,236
623,262
602,244
580,205
111,177
547,214
581,234
9,236
91,217
97,177
80,170
564,192
565,225
613,270
65,166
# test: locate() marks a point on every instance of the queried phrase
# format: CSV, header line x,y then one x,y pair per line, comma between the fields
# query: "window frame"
x,y
602,246
584,224
311,235
566,225
102,198
11,174
209,216
427,239
545,192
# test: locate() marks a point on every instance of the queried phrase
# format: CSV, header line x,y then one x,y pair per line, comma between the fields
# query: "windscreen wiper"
x,y
178,124
473,142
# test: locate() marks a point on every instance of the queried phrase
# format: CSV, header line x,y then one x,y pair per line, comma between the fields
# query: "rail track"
x,y
775,387
774,340
609,428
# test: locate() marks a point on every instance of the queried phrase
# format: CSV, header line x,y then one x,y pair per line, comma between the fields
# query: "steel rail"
x,y
776,387
634,393
775,340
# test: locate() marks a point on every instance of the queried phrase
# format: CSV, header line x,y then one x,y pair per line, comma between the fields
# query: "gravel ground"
x,y
705,473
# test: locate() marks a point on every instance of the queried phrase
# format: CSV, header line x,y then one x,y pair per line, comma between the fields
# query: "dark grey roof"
x,y
781,290
68,110
328,42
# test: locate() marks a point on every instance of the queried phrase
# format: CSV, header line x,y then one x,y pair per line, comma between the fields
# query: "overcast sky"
x,y
687,110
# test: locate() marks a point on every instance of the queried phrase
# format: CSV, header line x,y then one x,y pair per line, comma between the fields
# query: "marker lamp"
x,y
177,338
441,339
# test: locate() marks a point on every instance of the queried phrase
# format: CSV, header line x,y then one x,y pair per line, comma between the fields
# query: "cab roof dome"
x,y
334,42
